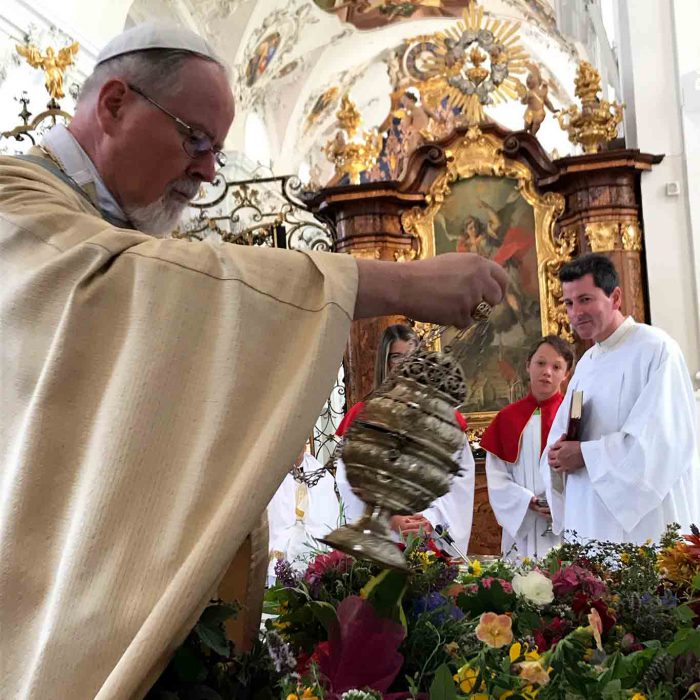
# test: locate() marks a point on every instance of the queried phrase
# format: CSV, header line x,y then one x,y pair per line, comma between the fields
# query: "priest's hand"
x,y
411,524
565,455
445,289
540,510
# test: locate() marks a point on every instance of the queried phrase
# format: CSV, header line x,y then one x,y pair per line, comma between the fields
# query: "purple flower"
x,y
437,604
445,577
280,653
285,574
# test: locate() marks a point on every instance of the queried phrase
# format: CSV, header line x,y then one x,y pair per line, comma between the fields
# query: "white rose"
x,y
535,587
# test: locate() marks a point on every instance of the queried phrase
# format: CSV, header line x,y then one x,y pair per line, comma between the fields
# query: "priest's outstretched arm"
x,y
445,289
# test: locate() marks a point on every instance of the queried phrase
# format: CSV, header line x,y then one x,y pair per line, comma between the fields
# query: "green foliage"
x,y
443,687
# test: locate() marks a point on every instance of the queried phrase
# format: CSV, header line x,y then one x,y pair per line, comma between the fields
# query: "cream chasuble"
x,y
638,442
511,487
454,510
153,395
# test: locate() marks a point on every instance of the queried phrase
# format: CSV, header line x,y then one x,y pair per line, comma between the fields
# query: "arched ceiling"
x,y
293,60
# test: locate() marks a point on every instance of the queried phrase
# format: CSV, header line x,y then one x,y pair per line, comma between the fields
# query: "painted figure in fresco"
x,y
259,61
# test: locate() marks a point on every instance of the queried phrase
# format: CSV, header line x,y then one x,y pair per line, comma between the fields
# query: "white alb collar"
x,y
616,337
77,165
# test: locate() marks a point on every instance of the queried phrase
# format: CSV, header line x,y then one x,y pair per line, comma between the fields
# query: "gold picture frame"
x,y
480,155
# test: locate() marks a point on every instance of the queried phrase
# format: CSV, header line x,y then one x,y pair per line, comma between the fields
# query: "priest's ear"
x,y
111,102
616,299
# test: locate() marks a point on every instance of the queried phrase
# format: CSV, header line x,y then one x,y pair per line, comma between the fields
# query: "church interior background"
x,y
335,97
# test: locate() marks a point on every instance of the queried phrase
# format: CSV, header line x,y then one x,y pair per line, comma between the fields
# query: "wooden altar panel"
x,y
486,532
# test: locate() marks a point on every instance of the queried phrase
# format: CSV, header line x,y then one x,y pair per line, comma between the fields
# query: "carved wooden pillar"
x,y
603,212
367,219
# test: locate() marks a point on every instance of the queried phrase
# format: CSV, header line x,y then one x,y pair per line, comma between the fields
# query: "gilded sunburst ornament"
x,y
475,63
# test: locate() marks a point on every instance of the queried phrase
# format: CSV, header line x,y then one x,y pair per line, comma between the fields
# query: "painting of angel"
x,y
490,217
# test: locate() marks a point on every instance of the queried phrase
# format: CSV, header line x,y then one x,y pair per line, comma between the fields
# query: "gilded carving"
x,y
596,122
603,236
631,237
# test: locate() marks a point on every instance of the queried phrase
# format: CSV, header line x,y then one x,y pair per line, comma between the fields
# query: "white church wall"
x,y
686,19
649,79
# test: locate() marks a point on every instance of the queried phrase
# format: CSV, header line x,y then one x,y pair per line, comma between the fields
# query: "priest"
x,y
635,468
154,391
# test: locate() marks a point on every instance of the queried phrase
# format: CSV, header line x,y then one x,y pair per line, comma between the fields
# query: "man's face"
x,y
151,175
591,312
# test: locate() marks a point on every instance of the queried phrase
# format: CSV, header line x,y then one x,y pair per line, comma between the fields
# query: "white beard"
x,y
160,218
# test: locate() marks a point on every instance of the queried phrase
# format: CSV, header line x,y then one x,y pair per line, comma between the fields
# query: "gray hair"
x,y
153,70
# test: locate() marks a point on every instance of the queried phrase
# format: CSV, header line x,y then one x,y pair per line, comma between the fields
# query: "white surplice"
x,y
298,515
453,511
511,487
642,470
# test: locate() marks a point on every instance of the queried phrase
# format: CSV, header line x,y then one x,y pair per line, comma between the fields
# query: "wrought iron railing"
x,y
265,211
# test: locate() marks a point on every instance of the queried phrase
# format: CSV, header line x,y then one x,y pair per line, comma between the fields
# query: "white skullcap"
x,y
155,35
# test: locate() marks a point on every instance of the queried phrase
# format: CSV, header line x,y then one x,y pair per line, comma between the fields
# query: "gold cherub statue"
x,y
535,96
53,65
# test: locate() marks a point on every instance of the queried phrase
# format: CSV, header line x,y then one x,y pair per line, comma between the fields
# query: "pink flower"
x,y
494,630
575,578
333,561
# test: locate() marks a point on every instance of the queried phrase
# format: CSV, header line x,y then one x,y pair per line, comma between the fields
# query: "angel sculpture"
x,y
52,64
536,98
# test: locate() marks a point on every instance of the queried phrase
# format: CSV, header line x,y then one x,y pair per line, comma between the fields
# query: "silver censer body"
x,y
398,452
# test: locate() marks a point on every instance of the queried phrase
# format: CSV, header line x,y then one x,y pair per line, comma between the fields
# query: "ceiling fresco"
x,y
293,60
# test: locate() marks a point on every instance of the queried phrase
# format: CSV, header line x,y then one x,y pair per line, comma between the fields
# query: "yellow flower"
x,y
639,696
475,567
533,672
466,678
625,558
309,694
505,695
527,561
494,630
292,696
514,652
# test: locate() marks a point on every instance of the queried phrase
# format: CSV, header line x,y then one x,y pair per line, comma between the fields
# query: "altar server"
x,y
636,468
514,442
300,513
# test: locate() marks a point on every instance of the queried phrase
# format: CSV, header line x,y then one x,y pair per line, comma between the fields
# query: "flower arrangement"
x,y
592,620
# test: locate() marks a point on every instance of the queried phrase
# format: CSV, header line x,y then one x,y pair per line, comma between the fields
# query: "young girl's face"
x,y
547,370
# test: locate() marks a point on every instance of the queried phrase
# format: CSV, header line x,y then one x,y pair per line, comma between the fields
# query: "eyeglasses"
x,y
197,143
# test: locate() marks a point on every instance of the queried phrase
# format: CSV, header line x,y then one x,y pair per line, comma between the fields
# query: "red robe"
x,y
355,410
502,437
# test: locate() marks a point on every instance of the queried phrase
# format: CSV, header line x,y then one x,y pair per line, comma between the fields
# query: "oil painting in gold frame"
x,y
487,203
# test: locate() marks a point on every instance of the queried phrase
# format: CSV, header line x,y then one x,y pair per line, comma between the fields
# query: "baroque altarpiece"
x,y
448,179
